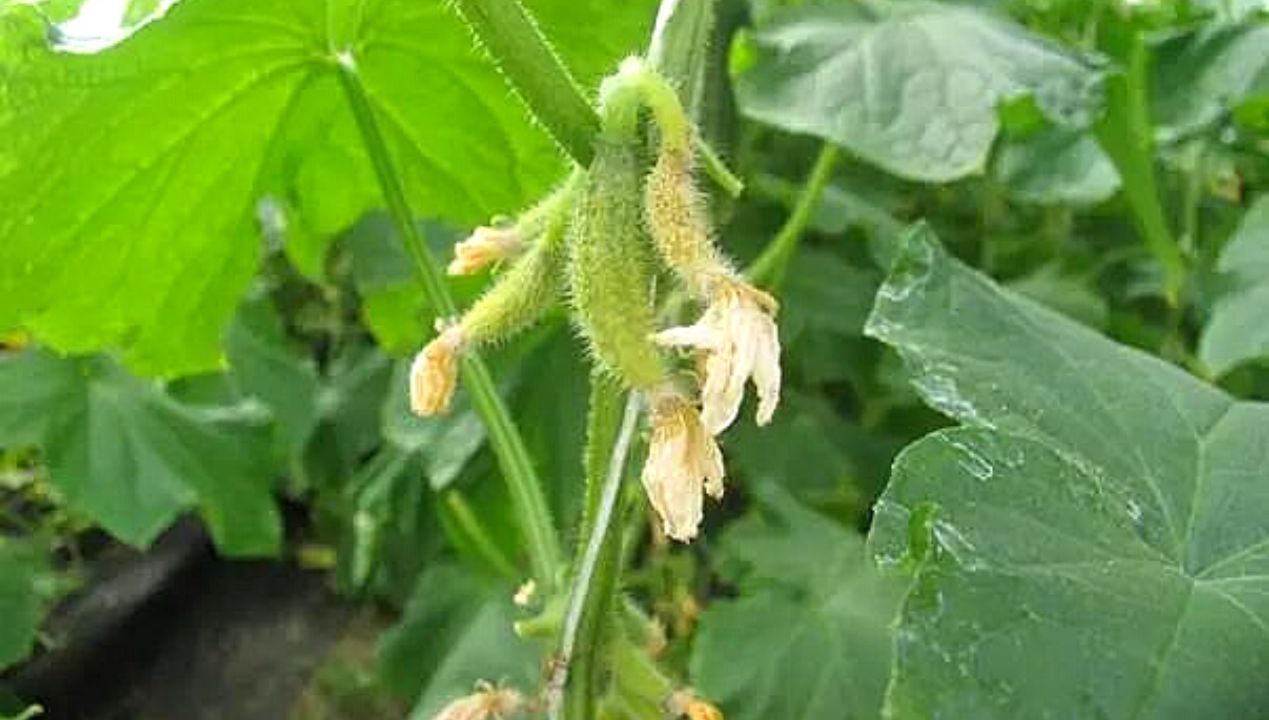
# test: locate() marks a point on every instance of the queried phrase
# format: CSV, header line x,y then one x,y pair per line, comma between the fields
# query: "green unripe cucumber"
x,y
610,268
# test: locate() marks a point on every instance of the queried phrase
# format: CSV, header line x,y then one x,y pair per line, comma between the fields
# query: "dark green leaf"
x,y
457,630
20,603
809,636
264,366
131,458
1199,77
1057,166
910,86
1237,330
1093,542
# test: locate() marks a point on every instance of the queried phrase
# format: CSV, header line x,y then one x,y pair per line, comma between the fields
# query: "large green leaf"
x,y
911,86
129,178
809,636
20,604
1092,542
1237,331
131,459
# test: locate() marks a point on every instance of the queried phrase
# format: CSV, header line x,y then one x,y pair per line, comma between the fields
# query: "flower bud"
x,y
434,373
524,293
484,247
678,222
683,462
610,281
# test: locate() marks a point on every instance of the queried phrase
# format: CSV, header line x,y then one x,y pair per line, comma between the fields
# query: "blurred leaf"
x,y
1068,294
20,603
809,635
445,442
1237,330
456,630
263,365
131,459
393,306
219,104
1057,166
824,293
911,86
1092,542
1199,77
813,453
391,531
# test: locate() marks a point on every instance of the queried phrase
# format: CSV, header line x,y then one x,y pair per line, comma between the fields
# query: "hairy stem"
x,y
769,268
534,71
531,509
573,686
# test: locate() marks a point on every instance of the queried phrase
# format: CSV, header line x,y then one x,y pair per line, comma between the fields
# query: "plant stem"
x,y
532,511
534,71
573,686
1126,135
769,268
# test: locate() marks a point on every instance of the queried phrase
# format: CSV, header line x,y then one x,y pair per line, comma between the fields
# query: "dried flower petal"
x,y
740,342
488,702
525,593
484,247
686,704
683,462
434,373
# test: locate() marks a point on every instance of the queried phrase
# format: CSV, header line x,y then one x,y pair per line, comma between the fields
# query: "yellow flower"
x,y
683,462
434,373
738,336
487,703
484,247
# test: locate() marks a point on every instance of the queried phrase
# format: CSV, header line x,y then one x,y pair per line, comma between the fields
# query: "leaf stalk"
x,y
531,509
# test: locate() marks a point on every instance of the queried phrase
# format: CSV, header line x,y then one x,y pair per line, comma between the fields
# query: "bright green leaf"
x,y
809,635
131,459
911,86
1092,542
1237,331
130,178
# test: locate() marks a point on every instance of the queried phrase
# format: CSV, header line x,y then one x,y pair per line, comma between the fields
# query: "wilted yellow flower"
x,y
484,247
434,373
525,593
740,341
683,462
686,704
487,703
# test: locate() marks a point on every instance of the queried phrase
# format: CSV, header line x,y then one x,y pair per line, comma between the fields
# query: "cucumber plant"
x,y
994,271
